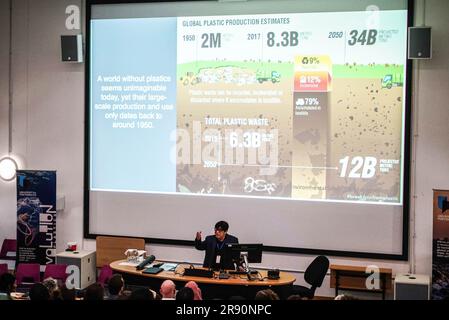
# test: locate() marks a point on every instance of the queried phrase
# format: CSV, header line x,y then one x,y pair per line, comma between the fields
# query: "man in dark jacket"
x,y
216,256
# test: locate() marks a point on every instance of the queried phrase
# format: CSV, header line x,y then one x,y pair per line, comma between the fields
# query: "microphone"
x,y
148,260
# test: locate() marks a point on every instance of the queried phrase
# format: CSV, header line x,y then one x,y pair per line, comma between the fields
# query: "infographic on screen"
x,y
305,106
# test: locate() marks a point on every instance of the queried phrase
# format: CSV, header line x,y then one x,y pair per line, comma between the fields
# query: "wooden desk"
x,y
354,278
235,285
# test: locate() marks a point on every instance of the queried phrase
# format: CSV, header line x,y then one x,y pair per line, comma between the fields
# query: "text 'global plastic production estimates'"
x,y
292,109
306,106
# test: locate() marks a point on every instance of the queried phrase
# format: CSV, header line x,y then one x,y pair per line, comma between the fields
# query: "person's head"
x,y
168,289
196,290
116,284
266,294
94,292
39,292
52,286
7,281
221,228
142,294
67,294
185,294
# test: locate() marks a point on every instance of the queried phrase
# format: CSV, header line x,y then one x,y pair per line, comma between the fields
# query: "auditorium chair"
x,y
56,271
3,268
314,276
28,272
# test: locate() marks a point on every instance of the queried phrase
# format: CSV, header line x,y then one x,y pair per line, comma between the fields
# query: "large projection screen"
x,y
288,119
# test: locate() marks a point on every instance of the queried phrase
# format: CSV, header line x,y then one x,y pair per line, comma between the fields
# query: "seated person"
x,y
7,285
67,294
142,294
39,292
185,294
94,292
168,290
115,287
215,247
53,288
196,290
266,294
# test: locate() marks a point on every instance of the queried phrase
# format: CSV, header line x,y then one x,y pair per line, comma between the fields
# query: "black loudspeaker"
x,y
72,48
420,43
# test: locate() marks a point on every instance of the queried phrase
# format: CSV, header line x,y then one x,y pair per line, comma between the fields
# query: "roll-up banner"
x,y
440,246
36,217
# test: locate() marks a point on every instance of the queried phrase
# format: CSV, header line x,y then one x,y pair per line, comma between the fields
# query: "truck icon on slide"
x,y
274,77
390,81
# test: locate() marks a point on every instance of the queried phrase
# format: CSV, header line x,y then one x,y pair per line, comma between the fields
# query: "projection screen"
x,y
288,119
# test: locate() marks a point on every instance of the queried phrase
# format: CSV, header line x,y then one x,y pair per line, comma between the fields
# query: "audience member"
x,y
185,294
141,294
266,294
125,295
115,287
196,290
53,288
7,285
94,292
67,294
39,292
168,290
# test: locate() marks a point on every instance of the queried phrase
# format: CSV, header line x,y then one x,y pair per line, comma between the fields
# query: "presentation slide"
x,y
305,106
288,115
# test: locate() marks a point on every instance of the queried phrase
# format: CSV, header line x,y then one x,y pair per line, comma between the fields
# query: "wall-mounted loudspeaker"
x,y
72,48
420,43
411,287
